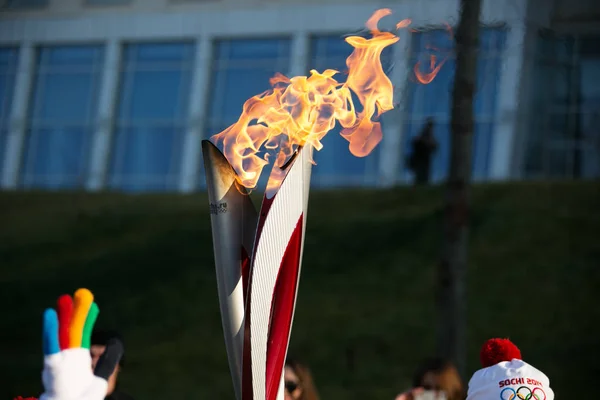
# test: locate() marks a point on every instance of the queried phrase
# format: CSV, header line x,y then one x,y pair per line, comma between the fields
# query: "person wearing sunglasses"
x,y
298,382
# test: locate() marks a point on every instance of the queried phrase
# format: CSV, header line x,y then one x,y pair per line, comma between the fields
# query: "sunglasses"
x,y
291,386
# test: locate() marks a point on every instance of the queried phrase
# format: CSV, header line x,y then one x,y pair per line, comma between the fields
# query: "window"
x,y
242,69
21,4
434,99
8,66
151,116
336,166
107,2
61,116
563,139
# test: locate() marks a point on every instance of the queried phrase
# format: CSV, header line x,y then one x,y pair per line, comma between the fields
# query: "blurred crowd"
x,y
83,363
434,379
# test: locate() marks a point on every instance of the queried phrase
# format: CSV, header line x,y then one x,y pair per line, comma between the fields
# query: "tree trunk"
x,y
451,284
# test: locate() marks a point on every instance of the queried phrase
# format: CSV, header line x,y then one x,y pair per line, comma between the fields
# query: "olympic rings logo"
x,y
522,393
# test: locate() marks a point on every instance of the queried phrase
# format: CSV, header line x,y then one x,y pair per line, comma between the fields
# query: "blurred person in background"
x,y
435,379
423,148
98,345
298,382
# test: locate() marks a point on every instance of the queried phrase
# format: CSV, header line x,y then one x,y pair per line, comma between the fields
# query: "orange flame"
x,y
301,110
427,77
434,65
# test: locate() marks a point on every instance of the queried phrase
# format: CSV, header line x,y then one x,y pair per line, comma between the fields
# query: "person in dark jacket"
x,y
423,147
98,345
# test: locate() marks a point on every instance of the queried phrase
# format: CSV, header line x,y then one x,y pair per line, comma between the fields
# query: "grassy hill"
x,y
365,309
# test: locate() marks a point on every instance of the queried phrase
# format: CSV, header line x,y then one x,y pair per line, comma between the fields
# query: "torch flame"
x,y
301,110
427,77
434,65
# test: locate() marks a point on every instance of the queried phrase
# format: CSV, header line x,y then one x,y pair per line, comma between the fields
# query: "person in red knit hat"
x,y
505,376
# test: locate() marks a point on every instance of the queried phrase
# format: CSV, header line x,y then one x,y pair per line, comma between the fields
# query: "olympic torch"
x,y
258,259
258,255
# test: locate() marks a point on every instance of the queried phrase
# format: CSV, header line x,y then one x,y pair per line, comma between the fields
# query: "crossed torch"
x,y
258,257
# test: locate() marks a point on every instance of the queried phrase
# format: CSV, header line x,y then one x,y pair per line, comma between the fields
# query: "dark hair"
x,y
435,365
101,337
447,374
309,391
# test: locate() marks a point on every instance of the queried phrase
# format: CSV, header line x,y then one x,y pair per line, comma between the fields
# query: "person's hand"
x,y
67,373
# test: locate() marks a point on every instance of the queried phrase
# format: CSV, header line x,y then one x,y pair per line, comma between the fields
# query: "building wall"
x,y
70,22
559,136
582,11
510,149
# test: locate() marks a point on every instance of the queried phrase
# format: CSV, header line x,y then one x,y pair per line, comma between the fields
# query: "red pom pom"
x,y
498,350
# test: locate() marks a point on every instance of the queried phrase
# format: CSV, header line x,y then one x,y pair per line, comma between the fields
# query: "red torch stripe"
x,y
282,310
247,389
246,360
245,272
